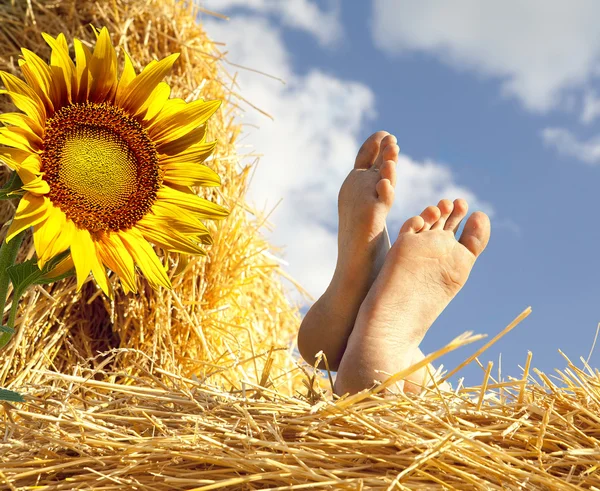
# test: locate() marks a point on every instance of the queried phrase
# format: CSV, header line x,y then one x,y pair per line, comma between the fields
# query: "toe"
x,y
446,206
476,234
369,150
385,192
458,213
430,215
388,171
412,225
388,150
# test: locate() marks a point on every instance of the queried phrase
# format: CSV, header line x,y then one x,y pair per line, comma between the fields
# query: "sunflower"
x,y
107,162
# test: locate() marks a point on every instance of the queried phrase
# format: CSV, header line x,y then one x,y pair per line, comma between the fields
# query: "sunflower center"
x,y
98,164
101,166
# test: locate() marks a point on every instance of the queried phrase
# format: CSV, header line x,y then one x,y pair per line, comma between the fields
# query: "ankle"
x,y
350,284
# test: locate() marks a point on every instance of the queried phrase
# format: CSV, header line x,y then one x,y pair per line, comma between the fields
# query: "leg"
x,y
364,201
423,271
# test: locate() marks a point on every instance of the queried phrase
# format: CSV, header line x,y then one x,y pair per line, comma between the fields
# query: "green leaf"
x,y
4,339
5,335
7,330
12,187
46,280
27,273
23,275
9,395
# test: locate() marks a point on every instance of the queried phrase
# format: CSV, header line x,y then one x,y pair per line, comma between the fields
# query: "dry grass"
x,y
225,311
80,431
196,389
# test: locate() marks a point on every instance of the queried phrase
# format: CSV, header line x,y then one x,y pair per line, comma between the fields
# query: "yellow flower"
x,y
107,162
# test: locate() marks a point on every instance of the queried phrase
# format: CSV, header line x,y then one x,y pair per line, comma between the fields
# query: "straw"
x,y
196,388
226,311
81,431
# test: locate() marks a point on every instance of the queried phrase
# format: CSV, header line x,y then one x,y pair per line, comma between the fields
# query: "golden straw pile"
x,y
196,388
79,431
225,311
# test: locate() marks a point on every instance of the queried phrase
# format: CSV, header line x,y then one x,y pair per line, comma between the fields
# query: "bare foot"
x,y
364,201
423,271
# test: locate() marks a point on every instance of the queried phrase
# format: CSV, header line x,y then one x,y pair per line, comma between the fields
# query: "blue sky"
x,y
494,103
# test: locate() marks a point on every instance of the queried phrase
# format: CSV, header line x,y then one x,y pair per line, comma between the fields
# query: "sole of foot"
x,y
423,271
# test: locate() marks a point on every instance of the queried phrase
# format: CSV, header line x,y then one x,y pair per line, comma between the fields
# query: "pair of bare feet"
x,y
383,298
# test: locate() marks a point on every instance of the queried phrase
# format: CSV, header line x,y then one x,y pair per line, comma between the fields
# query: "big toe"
x,y
369,150
476,233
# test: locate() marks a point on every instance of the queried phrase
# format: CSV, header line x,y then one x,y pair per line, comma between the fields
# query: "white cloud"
x,y
538,48
310,147
591,107
299,14
421,184
569,145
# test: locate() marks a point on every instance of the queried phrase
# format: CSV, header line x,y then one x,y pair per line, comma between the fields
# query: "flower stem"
x,y
12,316
8,255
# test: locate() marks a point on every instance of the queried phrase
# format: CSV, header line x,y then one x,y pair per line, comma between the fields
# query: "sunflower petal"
x,y
196,154
16,85
170,239
36,186
13,157
191,175
171,107
145,258
155,103
61,64
195,114
31,211
57,242
30,205
86,259
103,68
61,241
115,255
32,163
21,120
7,161
26,105
39,76
126,77
182,144
140,88
100,274
31,80
19,138
198,206
184,222
24,97
83,58
82,251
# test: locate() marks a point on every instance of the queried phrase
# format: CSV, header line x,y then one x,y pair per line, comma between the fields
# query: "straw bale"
x,y
195,389
78,431
225,311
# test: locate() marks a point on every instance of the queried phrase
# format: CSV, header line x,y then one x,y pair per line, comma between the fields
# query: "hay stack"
x,y
226,311
181,390
80,432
